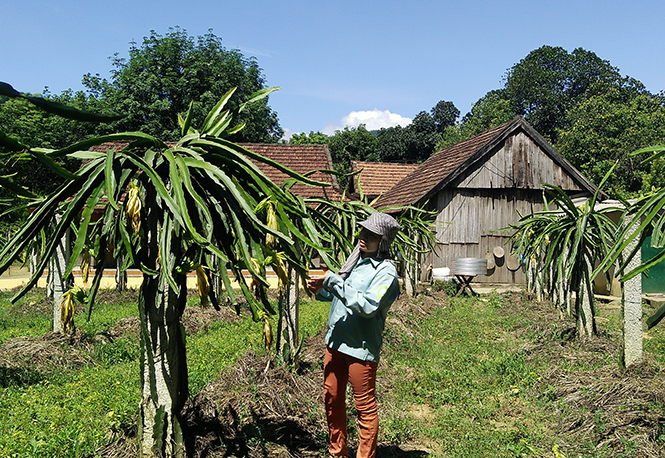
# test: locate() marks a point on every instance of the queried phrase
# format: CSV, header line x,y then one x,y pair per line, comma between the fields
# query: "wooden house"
x,y
376,178
481,186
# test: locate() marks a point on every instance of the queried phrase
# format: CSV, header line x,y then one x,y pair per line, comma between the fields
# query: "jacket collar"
x,y
373,261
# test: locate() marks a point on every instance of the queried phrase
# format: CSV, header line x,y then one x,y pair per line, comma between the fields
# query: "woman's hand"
x,y
315,282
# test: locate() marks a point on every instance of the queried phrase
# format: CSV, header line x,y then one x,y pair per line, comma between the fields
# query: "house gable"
x,y
526,161
518,162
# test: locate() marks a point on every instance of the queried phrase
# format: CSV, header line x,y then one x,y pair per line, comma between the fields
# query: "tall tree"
x,y
313,138
605,129
411,144
549,81
444,114
165,73
352,144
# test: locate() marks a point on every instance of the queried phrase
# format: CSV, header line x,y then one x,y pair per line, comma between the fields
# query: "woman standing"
x,y
361,295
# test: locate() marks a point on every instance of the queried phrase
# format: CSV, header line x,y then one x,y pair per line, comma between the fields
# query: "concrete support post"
x,y
408,279
57,267
537,280
530,276
586,324
120,273
632,311
33,261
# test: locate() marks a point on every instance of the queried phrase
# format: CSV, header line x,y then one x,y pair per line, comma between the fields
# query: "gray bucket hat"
x,y
384,225
381,224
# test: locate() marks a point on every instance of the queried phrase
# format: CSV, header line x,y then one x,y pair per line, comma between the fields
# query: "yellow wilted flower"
x,y
271,221
267,331
202,285
257,267
133,207
547,239
68,309
85,266
281,271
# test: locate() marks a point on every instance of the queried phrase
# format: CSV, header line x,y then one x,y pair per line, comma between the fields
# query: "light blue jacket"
x,y
359,307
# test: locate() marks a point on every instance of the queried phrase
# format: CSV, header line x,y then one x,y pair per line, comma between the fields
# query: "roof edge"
x,y
517,123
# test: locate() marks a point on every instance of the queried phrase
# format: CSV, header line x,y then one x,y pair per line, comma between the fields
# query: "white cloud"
x,y
288,133
373,120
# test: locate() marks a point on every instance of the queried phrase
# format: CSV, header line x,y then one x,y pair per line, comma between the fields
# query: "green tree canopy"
x,y
417,141
489,111
606,128
352,144
549,81
165,73
313,138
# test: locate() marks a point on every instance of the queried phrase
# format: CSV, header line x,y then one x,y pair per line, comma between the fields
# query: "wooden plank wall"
x,y
469,226
492,196
519,163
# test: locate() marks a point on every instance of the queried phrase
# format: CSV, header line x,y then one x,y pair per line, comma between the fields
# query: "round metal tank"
x,y
469,266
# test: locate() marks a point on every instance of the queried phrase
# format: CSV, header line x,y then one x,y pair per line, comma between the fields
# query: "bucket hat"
x,y
382,224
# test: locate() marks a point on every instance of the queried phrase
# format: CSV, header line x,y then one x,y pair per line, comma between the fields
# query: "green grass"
x,y
69,411
463,379
463,372
466,384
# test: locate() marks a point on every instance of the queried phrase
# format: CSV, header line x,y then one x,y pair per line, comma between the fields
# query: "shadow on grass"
x,y
388,451
211,435
19,376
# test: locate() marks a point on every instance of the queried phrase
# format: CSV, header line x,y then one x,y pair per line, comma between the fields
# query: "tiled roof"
x,y
299,158
377,178
445,165
434,170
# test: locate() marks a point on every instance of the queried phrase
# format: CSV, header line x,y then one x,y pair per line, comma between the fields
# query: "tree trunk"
x,y
164,367
163,355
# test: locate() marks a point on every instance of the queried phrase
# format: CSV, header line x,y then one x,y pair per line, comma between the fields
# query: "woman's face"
x,y
369,241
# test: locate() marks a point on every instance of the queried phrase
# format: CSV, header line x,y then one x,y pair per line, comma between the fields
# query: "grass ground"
x,y
490,376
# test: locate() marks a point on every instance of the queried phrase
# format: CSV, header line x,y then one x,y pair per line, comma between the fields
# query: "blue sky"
x,y
343,62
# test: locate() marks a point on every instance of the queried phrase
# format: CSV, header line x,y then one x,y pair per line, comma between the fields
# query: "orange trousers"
x,y
338,370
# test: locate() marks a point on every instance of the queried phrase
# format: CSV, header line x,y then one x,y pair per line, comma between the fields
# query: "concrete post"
x,y
121,274
33,260
530,276
632,310
586,326
57,267
408,279
537,280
